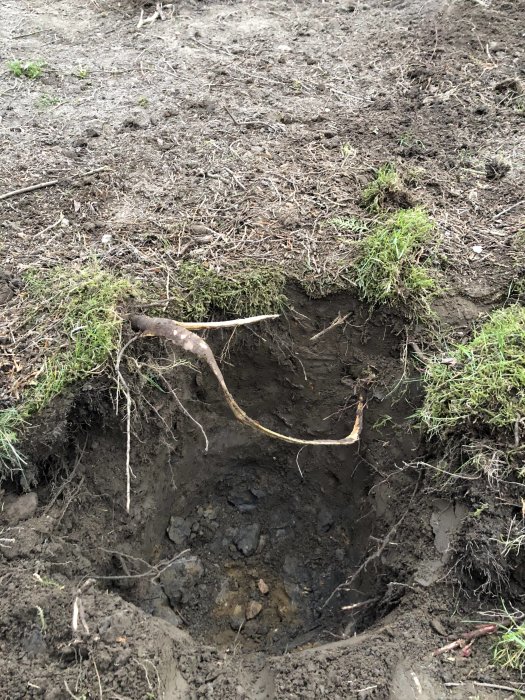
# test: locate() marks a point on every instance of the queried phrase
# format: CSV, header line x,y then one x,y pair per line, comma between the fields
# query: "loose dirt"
x,y
236,131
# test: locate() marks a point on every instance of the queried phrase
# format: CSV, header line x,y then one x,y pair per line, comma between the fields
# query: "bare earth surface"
x,y
235,132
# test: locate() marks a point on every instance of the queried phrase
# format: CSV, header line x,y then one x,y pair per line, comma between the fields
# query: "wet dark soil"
x,y
240,572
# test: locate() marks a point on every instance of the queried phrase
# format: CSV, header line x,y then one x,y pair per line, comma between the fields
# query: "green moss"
x,y
248,292
83,303
388,268
385,182
483,384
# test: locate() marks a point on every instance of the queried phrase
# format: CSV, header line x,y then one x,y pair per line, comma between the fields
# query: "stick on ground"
x,y
49,183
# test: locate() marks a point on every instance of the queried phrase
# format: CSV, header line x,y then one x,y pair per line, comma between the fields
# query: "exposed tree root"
x,y
190,342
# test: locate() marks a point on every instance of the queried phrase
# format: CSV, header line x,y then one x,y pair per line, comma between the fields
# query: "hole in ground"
x,y
259,534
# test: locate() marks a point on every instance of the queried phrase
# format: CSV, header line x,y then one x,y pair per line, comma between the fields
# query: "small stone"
x,y
169,615
437,626
253,609
93,131
180,578
178,531
22,508
237,618
136,121
247,539
263,587
244,501
114,626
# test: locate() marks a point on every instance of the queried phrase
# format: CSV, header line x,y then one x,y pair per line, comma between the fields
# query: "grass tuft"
x,y
28,69
45,101
10,458
388,268
482,385
385,183
75,311
348,224
246,293
84,304
509,652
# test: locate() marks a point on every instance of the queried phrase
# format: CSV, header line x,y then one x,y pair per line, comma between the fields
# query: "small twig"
x,y
78,608
505,211
49,183
297,461
70,693
234,120
153,571
479,684
418,352
101,694
338,320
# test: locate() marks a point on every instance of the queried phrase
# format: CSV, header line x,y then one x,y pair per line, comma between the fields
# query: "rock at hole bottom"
x,y
247,539
237,618
178,531
180,578
263,586
253,609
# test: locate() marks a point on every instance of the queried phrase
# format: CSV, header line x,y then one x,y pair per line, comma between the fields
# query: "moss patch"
x,y
483,385
249,292
389,269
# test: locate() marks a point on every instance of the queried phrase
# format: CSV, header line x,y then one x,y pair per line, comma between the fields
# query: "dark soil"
x,y
259,122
